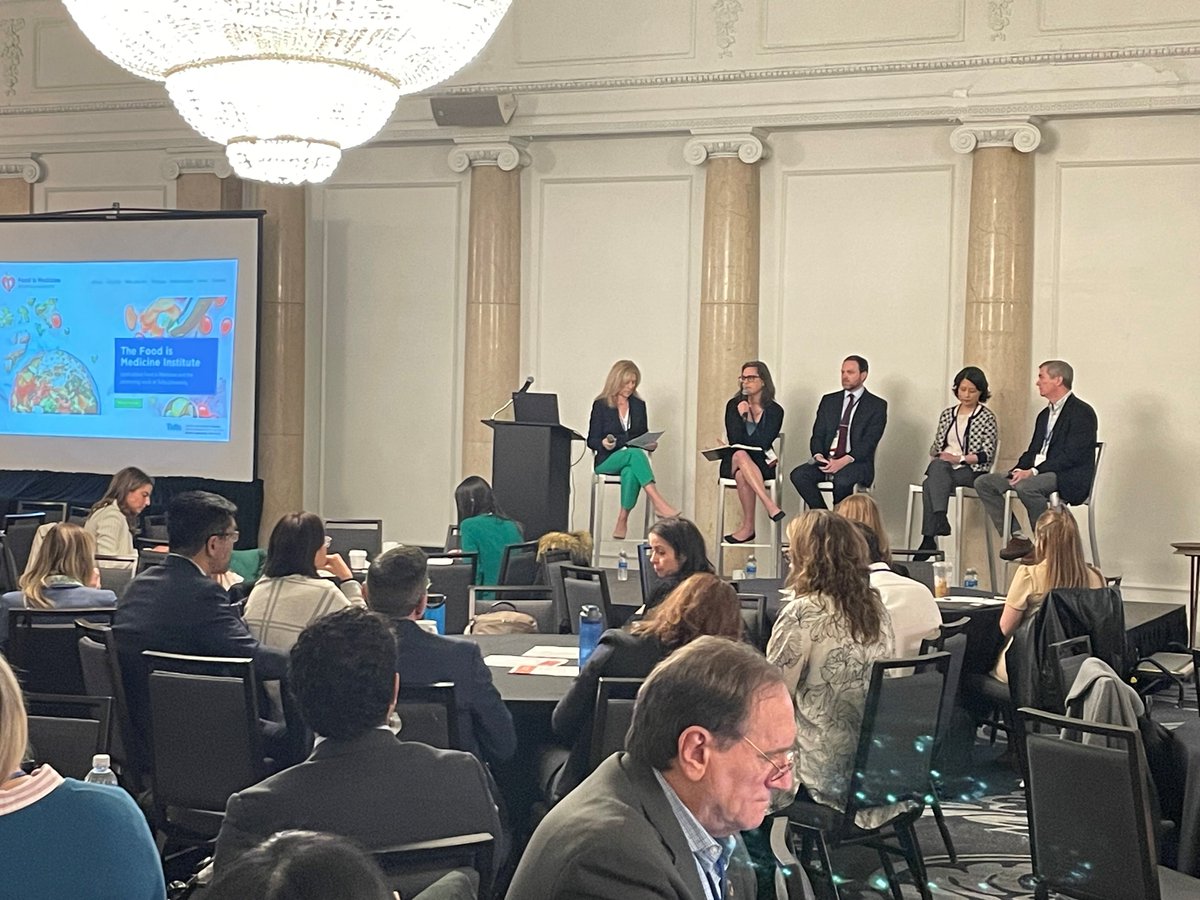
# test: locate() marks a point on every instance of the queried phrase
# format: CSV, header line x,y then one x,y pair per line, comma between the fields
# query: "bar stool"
x,y
776,528
596,515
1056,500
959,498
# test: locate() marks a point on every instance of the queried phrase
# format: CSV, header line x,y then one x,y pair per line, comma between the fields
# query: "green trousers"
x,y
633,465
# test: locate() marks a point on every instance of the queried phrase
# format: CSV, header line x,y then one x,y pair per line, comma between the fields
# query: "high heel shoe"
x,y
730,539
778,517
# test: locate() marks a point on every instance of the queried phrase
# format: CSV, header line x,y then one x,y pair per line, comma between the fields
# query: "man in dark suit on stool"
x,y
397,585
848,428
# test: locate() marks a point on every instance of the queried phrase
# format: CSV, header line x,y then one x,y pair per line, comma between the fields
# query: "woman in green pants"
x,y
619,416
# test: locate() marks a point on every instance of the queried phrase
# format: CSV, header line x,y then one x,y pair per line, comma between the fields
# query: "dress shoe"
x,y
1016,548
730,539
778,517
941,524
928,543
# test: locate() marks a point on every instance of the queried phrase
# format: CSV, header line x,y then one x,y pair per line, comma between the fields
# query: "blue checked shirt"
x,y
712,856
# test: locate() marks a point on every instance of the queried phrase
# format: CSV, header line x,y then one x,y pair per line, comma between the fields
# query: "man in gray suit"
x,y
360,781
710,743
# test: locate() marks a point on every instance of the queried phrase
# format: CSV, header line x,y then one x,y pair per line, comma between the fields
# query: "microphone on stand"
x,y
521,390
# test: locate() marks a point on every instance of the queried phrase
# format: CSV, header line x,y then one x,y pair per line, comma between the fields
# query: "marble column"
x,y
281,351
997,324
204,180
729,280
492,347
18,175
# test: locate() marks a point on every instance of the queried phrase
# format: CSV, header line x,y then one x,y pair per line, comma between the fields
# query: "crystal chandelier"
x,y
287,85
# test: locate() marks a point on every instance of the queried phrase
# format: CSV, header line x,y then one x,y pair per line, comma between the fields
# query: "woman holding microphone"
x,y
618,417
752,418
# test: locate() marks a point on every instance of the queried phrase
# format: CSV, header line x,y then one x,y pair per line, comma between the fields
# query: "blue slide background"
x,y
121,349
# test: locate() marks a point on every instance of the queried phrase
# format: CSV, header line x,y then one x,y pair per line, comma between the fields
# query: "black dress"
x,y
764,435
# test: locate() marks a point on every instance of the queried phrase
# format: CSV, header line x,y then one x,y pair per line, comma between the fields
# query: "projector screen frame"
x,y
118,214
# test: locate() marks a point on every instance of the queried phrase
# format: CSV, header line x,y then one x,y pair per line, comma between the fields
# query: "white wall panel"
x,y
98,180
1114,15
564,31
793,24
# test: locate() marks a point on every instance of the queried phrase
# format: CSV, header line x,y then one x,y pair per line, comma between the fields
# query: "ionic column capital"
x,y
195,162
506,154
1020,134
749,146
27,168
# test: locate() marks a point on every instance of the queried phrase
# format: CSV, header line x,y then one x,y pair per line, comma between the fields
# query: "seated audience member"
x,y
397,585
360,782
62,837
177,607
863,508
827,636
914,611
703,604
483,528
677,551
1060,564
113,519
63,576
711,741
290,595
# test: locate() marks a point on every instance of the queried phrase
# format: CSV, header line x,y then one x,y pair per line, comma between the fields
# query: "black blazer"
x,y
619,654
373,789
484,722
605,420
1072,451
866,428
764,435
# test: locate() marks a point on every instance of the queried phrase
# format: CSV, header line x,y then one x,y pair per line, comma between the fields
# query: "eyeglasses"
x,y
788,759
232,535
749,378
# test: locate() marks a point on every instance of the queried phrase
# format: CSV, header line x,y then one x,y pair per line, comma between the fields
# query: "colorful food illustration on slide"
x,y
176,317
54,381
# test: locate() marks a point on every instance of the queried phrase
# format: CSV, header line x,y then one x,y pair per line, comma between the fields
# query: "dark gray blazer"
x,y
615,838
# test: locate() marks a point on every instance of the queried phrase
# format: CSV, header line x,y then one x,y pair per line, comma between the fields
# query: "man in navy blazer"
x,y
397,585
177,607
1061,457
844,455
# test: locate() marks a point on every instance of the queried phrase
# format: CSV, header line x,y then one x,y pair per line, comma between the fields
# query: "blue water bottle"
x,y
435,611
590,626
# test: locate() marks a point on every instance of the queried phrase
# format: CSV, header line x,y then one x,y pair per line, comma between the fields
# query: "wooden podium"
x,y
531,474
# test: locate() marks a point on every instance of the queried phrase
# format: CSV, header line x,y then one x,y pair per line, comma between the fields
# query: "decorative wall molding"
x,y
1020,134
195,162
726,13
27,168
999,15
10,53
506,153
93,106
749,146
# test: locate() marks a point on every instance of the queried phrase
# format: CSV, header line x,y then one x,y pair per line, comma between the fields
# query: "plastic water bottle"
x,y
970,579
590,626
622,566
101,772
751,567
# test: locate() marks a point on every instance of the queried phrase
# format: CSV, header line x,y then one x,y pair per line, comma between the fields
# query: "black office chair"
x,y
154,528
66,731
1091,831
429,715
612,717
519,565
9,576
519,585
355,534
19,532
952,638
453,538
148,557
204,742
892,765
452,576
646,574
410,868
53,510
754,619
42,644
584,586
116,572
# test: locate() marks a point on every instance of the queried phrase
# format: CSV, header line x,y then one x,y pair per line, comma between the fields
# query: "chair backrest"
x,y
9,576
19,531
452,575
453,538
204,731
77,514
583,586
53,510
355,534
1091,497
1091,833
1070,656
148,557
519,565
154,528
754,619
102,678
426,860
116,572
67,730
42,643
898,734
429,715
612,717
646,573
558,596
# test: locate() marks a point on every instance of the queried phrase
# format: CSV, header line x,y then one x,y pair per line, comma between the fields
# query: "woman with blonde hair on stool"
x,y
618,417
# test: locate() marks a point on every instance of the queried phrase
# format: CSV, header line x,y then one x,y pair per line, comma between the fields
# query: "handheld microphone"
x,y
521,390
746,415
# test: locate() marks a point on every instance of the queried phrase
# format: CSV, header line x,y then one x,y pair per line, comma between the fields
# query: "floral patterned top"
x,y
828,675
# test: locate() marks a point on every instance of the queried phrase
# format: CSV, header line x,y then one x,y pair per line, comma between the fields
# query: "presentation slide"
x,y
118,349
